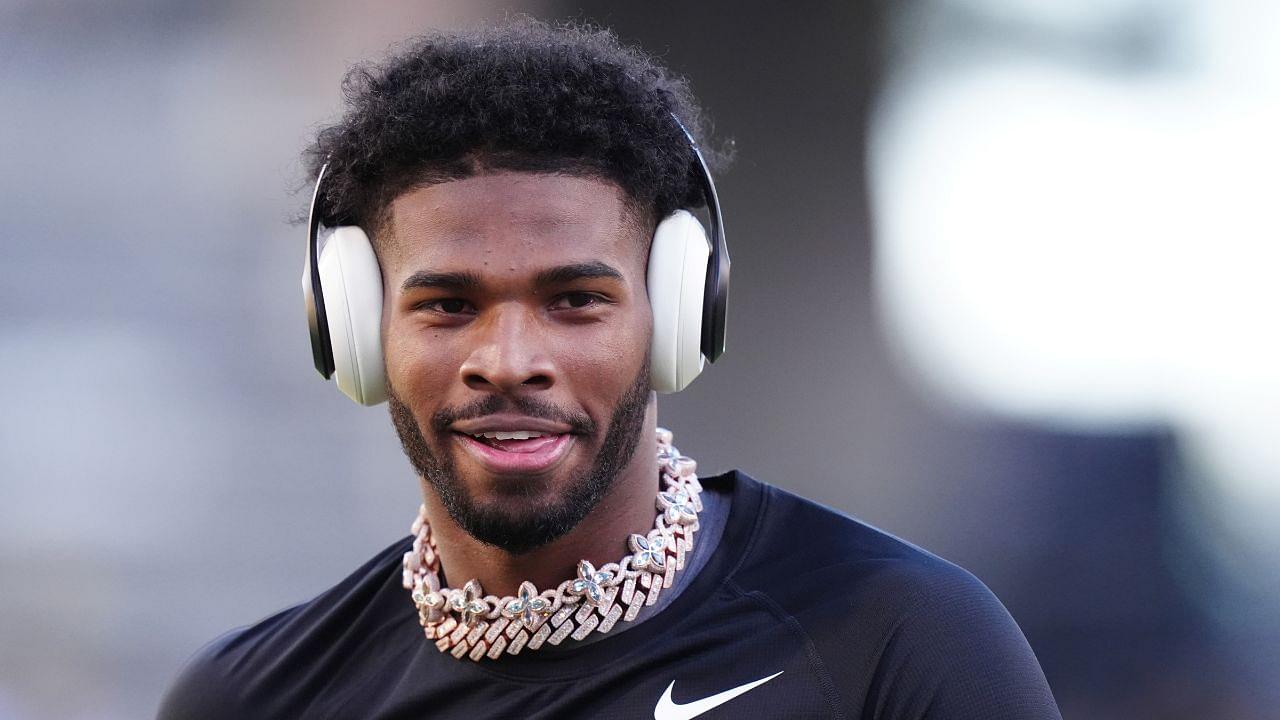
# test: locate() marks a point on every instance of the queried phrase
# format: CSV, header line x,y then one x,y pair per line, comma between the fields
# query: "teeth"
x,y
512,435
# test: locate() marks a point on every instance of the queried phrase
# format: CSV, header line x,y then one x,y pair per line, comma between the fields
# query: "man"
x,y
511,268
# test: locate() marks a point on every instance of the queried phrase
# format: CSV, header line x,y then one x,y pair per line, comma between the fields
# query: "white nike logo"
x,y
669,710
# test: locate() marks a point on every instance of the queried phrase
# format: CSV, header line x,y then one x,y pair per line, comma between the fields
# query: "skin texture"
x,y
572,352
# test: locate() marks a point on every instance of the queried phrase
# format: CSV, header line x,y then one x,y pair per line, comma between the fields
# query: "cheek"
x,y
418,367
607,365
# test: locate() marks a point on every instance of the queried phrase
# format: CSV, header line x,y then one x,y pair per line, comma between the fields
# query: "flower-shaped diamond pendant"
x,y
589,583
528,607
677,506
470,602
649,553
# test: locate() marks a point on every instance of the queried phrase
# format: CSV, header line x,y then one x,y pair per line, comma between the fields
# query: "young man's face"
x,y
516,303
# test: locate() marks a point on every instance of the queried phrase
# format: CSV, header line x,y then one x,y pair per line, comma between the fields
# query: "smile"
x,y
516,452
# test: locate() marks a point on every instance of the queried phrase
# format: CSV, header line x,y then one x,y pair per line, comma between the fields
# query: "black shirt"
x,y
844,620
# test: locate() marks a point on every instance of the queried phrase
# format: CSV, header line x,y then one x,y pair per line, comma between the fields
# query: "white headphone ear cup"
x,y
352,285
676,281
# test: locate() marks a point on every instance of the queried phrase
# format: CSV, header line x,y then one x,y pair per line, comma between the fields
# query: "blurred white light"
x,y
1079,248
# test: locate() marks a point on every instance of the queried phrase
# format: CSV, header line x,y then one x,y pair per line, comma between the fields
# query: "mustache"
x,y
579,422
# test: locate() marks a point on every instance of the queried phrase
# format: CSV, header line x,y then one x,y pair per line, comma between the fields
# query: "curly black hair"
x,y
524,95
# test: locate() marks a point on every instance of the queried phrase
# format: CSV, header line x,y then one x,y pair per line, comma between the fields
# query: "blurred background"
x,y
1004,285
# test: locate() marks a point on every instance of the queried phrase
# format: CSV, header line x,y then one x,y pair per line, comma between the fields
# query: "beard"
x,y
518,523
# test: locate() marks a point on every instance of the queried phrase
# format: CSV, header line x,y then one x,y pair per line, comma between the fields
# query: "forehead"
x,y
511,221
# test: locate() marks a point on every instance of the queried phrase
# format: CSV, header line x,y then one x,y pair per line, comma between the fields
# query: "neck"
x,y
601,537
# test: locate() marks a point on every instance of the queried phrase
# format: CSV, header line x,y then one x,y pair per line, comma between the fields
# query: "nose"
x,y
509,353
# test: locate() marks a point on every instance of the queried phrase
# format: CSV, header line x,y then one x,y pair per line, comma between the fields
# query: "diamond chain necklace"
x,y
468,623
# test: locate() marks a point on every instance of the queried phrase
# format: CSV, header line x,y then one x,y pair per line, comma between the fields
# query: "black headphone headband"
x,y
715,299
321,347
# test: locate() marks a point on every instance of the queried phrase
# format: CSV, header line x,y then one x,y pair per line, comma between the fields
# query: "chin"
x,y
520,513
520,522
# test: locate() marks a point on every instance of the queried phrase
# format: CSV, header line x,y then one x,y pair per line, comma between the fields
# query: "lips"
x,y
520,443
507,444
517,457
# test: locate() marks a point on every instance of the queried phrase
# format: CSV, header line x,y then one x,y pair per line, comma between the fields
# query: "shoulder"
x,y
205,686
820,547
260,670
928,638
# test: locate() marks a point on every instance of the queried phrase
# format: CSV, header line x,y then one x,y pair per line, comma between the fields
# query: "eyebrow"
x,y
455,281
467,281
562,274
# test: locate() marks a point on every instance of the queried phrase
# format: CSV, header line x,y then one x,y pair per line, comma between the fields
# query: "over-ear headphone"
x,y
688,284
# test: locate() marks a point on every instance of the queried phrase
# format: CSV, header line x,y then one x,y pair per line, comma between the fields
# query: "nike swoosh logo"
x,y
668,710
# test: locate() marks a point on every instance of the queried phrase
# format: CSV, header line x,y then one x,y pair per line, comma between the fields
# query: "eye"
x,y
577,301
448,306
